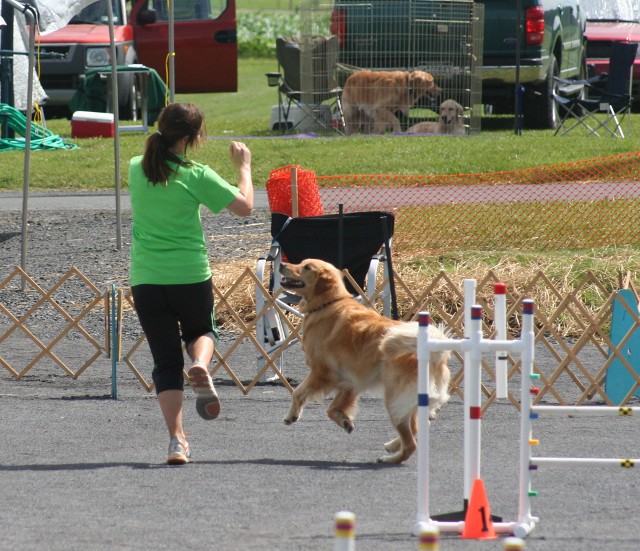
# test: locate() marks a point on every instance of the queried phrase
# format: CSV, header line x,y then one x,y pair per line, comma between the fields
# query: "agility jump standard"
x,y
474,391
528,463
471,451
473,347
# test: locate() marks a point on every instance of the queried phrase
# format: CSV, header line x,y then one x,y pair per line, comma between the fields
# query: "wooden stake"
x,y
294,192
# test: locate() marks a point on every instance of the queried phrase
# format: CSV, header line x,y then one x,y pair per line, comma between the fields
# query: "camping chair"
x,y
305,81
601,102
357,242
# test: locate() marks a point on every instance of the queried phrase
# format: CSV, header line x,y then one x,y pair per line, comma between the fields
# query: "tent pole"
x,y
172,53
6,66
32,14
116,118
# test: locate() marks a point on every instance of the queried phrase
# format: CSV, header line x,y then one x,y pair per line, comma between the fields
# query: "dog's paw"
x,y
393,445
391,459
290,420
348,425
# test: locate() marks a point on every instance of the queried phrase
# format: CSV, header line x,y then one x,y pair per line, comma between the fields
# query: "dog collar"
x,y
322,306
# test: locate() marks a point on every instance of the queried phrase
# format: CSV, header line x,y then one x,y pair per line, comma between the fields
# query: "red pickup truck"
x,y
204,41
609,22
601,33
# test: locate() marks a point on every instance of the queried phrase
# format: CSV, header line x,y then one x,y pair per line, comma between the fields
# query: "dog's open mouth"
x,y
290,283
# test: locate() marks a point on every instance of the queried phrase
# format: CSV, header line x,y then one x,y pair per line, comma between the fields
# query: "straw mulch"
x,y
545,278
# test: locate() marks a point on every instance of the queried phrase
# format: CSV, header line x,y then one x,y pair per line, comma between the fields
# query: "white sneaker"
x,y
179,452
207,402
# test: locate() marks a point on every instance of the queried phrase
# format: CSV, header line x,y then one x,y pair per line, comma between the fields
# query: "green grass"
x,y
267,5
246,113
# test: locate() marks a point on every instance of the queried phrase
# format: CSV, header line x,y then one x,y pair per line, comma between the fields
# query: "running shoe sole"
x,y
177,459
207,402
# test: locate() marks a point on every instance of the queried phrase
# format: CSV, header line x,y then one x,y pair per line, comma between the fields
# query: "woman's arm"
x,y
242,205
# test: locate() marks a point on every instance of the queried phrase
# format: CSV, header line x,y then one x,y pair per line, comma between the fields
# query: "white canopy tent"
x,y
49,16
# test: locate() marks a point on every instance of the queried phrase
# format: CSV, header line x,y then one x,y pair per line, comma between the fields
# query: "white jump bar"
x,y
583,462
585,411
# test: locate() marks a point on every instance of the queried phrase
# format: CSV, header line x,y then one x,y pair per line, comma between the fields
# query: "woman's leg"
x,y
171,406
163,336
196,315
200,349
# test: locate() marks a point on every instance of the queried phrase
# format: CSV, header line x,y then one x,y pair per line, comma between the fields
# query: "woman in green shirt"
x,y
169,274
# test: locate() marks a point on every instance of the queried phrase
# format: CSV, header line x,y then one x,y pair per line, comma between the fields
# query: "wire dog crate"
x,y
441,37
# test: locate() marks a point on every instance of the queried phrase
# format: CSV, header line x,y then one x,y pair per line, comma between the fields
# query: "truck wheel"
x,y
540,111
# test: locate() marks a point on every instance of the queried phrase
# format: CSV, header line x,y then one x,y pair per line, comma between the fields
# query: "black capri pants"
x,y
167,314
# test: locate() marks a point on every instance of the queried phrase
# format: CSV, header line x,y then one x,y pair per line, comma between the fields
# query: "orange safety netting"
x,y
575,205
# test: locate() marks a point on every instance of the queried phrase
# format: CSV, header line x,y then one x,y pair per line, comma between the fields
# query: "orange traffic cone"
x,y
477,521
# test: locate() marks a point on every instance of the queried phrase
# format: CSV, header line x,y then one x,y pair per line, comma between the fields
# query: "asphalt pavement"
x,y
81,471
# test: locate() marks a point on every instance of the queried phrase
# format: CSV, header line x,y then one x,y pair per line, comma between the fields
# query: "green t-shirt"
x,y
168,245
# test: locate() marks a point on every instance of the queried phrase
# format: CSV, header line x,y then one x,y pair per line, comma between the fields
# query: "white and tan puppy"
x,y
450,121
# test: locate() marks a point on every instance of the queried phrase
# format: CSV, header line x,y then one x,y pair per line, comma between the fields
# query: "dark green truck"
x,y
413,34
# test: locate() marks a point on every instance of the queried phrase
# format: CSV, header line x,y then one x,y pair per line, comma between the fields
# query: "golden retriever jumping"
x,y
450,121
350,348
371,99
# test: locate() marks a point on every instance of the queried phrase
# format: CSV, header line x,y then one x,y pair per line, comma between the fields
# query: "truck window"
x,y
205,36
188,10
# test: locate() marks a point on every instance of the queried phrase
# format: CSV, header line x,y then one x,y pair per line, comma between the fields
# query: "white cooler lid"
x,y
92,116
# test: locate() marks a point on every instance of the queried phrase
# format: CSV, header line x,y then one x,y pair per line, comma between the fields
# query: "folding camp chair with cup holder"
x,y
358,242
602,102
308,96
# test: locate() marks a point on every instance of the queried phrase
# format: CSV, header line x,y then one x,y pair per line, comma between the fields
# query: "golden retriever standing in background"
x,y
450,121
371,99
350,348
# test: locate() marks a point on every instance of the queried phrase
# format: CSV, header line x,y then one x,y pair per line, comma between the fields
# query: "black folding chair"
x,y
600,103
358,242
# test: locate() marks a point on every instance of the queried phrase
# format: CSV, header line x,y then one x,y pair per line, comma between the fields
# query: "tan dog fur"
x,y
350,348
370,99
449,122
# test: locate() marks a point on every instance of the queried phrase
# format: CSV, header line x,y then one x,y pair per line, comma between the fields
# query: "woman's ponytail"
x,y
176,121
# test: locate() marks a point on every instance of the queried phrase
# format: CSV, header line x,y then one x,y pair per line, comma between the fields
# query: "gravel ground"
x,y
88,240
82,471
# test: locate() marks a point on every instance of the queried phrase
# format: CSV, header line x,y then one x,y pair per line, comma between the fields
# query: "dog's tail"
x,y
403,339
400,339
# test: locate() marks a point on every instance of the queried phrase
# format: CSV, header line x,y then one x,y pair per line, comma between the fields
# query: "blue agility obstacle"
x,y
622,380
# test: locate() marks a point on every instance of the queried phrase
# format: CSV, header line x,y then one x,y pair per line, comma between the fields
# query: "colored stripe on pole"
x,y
429,538
476,312
424,318
345,523
475,412
528,307
499,288
423,400
513,544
